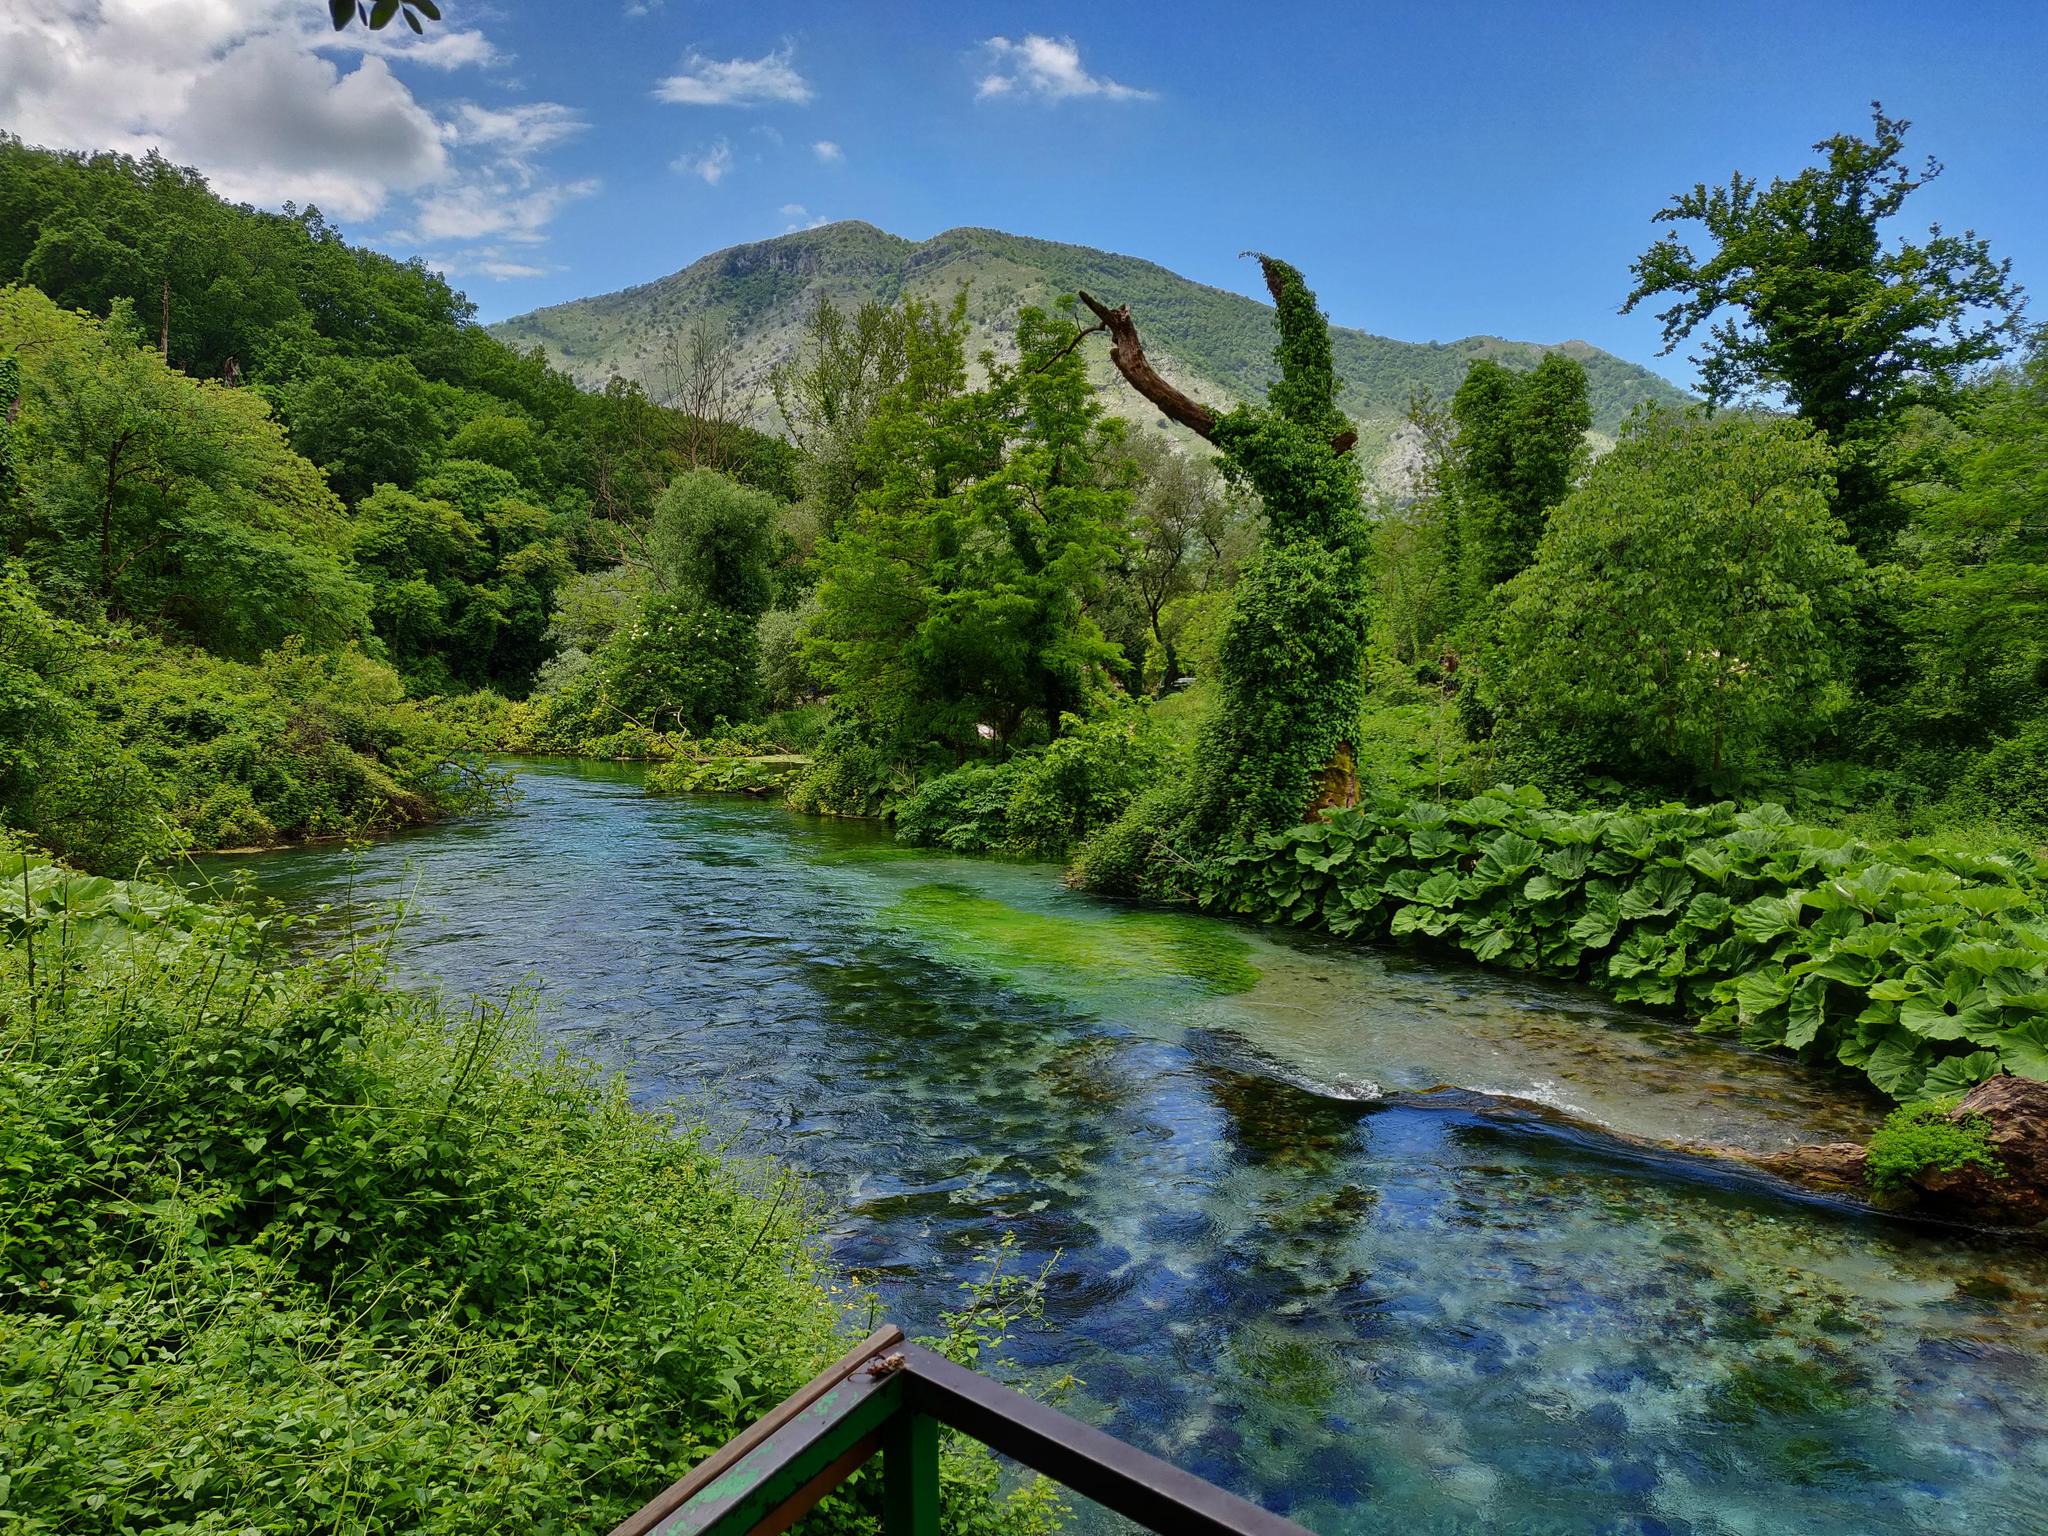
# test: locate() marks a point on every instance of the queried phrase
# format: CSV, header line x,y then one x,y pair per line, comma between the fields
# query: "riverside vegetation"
x,y
1746,717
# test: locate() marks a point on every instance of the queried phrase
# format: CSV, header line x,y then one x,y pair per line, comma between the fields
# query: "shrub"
x,y
850,773
1686,608
1918,1137
1135,855
1043,802
2009,783
966,810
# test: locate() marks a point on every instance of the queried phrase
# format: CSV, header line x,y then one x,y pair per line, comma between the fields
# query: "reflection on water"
x,y
1411,1313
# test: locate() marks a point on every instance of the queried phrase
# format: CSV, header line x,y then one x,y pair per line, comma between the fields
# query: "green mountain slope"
x,y
1215,344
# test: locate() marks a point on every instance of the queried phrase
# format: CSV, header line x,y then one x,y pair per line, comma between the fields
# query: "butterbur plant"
x,y
1923,969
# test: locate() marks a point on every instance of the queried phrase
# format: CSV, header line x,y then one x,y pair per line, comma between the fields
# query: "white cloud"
x,y
273,106
523,128
703,82
711,164
491,208
438,48
488,261
827,152
1049,68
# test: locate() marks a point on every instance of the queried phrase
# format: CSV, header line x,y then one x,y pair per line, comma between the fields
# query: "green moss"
x,y
1920,1137
981,933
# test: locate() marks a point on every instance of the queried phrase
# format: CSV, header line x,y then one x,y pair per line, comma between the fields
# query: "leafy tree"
x,y
1293,651
714,540
1802,296
1189,532
1683,614
828,393
958,593
144,494
1521,441
367,423
1975,585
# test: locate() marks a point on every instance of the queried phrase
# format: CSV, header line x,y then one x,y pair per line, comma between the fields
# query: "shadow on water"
x,y
1419,1312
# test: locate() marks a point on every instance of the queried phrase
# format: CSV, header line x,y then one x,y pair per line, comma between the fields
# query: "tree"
x,y
144,494
1521,441
1682,618
1189,532
713,539
827,394
1976,589
957,594
1279,742
1802,297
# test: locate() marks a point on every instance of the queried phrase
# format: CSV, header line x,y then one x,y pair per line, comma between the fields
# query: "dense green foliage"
x,y
1920,968
1521,442
1928,1137
955,594
1044,802
288,1250
1684,613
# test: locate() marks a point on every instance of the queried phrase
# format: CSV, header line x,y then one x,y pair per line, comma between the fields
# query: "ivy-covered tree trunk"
x,y
1279,746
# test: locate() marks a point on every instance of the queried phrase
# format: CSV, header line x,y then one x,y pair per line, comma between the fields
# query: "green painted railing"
x,y
891,1398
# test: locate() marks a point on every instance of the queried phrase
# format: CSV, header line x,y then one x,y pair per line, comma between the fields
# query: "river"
x,y
1510,1304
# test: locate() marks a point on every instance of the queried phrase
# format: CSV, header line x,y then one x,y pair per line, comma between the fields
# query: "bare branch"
x,y
1128,353
1072,342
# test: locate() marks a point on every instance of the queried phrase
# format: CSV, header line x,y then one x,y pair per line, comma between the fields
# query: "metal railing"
x,y
889,1397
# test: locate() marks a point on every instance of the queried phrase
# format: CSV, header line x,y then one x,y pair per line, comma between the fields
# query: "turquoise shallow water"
x,y
1284,1263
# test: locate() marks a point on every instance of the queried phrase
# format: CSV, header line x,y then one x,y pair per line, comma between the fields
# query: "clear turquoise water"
x,y
1283,1262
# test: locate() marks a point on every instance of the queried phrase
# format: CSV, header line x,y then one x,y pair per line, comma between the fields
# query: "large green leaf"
x,y
1659,891
1595,927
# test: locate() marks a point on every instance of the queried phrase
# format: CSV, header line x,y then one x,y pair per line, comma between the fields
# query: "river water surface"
x,y
1284,1262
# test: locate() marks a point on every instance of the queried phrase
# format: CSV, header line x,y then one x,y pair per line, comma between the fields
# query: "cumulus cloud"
x,y
1048,68
711,164
273,107
703,82
827,152
800,217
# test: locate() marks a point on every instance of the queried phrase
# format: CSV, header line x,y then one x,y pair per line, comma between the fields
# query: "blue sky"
x,y
1436,170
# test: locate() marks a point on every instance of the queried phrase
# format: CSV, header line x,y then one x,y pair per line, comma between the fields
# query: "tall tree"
x,y
956,594
1802,296
1280,741
1521,441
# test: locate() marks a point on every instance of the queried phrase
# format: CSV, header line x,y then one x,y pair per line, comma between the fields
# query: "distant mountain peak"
x,y
1215,343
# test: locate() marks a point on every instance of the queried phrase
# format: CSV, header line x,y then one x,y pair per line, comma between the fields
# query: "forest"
x,y
1744,719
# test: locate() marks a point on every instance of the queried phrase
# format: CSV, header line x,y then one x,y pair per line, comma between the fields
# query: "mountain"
x,y
1215,344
